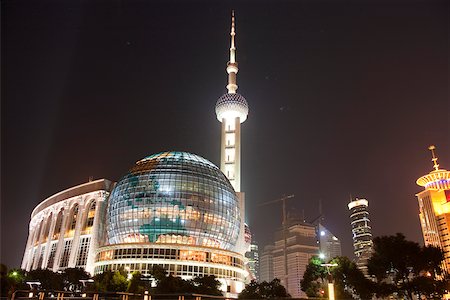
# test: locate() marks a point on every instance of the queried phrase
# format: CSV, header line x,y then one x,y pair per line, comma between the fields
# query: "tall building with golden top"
x,y
434,206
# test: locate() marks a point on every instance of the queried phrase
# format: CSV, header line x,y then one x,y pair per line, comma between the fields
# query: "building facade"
x,y
176,210
179,211
361,231
434,209
330,245
289,256
66,228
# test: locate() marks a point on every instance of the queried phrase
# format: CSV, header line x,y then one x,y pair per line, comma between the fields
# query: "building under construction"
x,y
288,257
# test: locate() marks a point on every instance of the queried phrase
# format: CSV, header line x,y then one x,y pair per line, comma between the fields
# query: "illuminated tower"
x,y
231,111
434,207
361,231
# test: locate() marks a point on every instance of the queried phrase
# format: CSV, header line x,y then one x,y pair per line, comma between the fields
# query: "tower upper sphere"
x,y
232,105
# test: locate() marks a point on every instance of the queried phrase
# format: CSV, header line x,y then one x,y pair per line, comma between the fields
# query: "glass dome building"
x,y
176,210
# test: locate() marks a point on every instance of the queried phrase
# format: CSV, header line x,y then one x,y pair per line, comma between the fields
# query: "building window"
x,y
83,250
89,219
66,254
51,257
73,222
58,225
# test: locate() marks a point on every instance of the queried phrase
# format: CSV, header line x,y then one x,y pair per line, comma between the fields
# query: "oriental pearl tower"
x,y
231,111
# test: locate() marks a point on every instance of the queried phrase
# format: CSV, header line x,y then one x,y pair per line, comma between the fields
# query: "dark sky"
x,y
345,97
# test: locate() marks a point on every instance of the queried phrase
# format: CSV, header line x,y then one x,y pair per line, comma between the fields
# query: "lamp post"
x,y
330,280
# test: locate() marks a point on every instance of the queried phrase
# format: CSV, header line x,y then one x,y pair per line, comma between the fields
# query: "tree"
x,y
207,285
310,283
72,277
347,278
251,291
264,290
109,281
11,280
405,268
136,284
49,280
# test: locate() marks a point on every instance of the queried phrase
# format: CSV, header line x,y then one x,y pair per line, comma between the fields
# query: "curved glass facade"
x,y
174,198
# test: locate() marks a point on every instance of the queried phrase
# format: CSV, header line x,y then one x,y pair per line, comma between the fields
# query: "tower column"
x,y
237,155
222,146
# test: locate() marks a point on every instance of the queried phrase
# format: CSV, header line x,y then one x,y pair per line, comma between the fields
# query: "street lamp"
x,y
330,280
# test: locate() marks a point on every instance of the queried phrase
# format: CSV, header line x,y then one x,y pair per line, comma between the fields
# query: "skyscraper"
x,y
289,256
231,111
330,246
361,230
434,208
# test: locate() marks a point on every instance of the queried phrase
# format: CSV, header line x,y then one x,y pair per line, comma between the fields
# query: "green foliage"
x,y
405,268
11,280
346,276
72,277
264,290
109,281
49,280
251,291
136,284
207,285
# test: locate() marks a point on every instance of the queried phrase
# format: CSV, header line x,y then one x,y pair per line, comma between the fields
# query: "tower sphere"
x,y
230,106
174,198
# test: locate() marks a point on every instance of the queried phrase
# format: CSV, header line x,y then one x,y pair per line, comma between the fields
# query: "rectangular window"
x,y
51,257
83,250
66,254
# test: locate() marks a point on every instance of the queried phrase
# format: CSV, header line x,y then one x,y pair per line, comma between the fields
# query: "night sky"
x,y
345,97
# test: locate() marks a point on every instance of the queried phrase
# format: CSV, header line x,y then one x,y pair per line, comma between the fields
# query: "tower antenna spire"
x,y
434,159
232,66
232,34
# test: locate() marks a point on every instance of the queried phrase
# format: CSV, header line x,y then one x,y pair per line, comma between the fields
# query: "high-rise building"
x,y
288,257
266,264
253,261
361,230
252,255
330,246
434,209
231,111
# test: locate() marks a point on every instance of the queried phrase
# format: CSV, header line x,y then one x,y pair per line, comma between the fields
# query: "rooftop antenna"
x,y
232,66
434,159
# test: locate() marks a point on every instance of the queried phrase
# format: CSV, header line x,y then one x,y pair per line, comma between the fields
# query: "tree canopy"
x,y
264,290
405,268
348,279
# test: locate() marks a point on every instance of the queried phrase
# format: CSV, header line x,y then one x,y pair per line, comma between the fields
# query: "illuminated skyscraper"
x,y
434,207
330,246
231,111
361,230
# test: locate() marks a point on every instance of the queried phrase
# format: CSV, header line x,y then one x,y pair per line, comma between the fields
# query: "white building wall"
x,y
40,240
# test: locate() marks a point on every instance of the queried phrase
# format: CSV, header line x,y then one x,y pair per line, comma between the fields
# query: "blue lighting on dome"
x,y
174,197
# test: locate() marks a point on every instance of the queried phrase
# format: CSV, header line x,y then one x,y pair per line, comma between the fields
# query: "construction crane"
x,y
284,224
283,201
